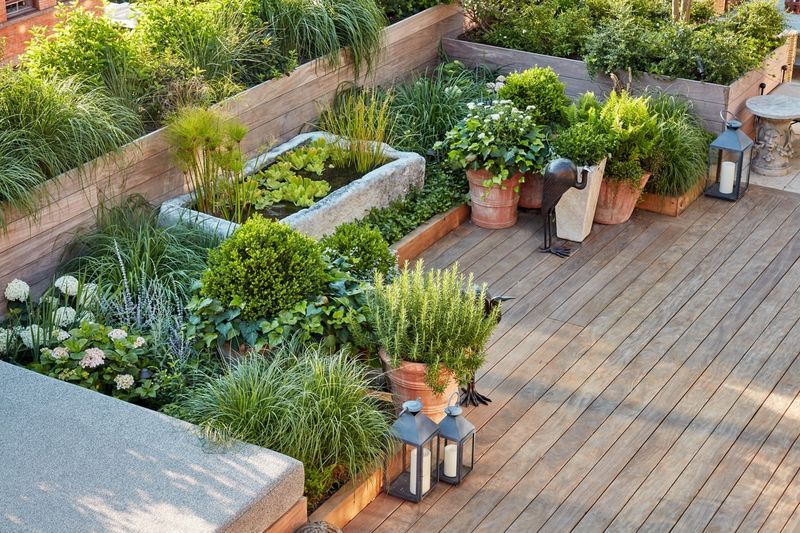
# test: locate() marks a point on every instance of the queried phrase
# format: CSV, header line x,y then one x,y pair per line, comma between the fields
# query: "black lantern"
x,y
417,433
729,163
457,439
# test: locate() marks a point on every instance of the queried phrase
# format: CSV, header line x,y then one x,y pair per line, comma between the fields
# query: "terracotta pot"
x,y
496,207
530,191
408,383
618,200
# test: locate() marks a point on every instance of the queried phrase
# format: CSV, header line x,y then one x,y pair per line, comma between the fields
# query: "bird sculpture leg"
x,y
470,396
560,251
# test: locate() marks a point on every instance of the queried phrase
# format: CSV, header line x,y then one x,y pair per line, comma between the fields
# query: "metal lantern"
x,y
729,163
457,439
417,433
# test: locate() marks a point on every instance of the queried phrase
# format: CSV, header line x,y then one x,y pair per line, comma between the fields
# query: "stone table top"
x,y
774,106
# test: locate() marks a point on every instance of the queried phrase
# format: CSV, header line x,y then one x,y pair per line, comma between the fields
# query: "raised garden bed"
x,y
709,99
415,243
378,188
670,205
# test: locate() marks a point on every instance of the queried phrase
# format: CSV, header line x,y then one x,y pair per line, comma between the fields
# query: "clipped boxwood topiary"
x,y
266,266
540,88
363,247
585,143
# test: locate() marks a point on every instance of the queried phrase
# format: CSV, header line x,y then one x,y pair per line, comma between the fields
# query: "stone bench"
x,y
76,460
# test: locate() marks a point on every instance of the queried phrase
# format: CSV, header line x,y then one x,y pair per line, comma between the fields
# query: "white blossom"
x,y
64,316
88,294
117,334
123,381
93,358
17,291
68,285
30,335
59,353
86,316
4,340
61,335
139,342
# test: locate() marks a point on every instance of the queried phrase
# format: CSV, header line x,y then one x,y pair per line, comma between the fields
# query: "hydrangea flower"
x,y
59,352
117,334
64,316
61,335
68,285
17,291
123,381
29,335
139,342
4,339
86,316
88,294
93,358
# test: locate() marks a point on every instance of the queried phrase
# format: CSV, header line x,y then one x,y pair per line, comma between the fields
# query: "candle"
x,y
726,176
450,460
426,471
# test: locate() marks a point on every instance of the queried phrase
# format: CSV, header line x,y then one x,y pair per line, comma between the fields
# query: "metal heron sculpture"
x,y
470,396
560,176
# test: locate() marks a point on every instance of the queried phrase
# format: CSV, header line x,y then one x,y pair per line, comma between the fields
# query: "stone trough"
x,y
376,189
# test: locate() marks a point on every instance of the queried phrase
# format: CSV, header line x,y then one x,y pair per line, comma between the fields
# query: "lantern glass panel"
x,y
419,473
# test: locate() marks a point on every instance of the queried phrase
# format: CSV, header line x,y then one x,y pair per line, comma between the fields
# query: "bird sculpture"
x,y
560,176
469,395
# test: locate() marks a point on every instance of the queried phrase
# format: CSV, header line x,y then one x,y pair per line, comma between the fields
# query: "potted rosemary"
x,y
432,328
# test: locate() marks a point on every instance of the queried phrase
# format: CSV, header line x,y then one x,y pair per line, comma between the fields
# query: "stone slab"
x,y
378,188
76,460
575,210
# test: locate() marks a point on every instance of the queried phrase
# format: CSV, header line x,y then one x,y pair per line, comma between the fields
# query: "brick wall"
x,y
15,32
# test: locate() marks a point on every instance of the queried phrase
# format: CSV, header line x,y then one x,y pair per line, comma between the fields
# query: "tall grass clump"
x,y
129,250
300,401
679,158
427,107
321,28
207,147
51,125
362,117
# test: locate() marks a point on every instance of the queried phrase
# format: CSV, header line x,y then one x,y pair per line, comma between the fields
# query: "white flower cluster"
x,y
453,91
68,285
498,84
117,334
138,342
5,338
59,353
61,335
31,335
93,358
64,316
88,294
17,291
86,316
123,381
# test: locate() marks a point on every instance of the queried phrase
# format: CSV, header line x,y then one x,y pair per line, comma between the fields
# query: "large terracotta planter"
x,y
496,207
530,191
408,383
618,200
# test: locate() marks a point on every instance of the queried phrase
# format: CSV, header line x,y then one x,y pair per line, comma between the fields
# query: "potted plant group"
x,y
541,93
633,130
496,143
432,329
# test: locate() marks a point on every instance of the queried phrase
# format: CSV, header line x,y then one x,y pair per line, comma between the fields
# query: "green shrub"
x,y
758,20
303,402
583,143
539,91
265,267
679,159
363,247
620,44
425,108
49,126
725,56
83,44
632,128
702,11
624,170
435,317
320,28
400,9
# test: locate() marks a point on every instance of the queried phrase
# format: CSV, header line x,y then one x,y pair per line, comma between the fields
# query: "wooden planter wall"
x,y
273,111
709,98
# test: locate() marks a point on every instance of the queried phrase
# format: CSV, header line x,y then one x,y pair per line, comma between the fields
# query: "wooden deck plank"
x,y
651,375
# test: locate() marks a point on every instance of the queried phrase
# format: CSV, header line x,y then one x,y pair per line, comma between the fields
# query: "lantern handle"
x,y
723,113
456,395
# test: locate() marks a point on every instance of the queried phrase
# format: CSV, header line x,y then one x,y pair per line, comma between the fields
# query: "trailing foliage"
x,y
321,28
263,269
435,317
303,402
427,107
49,126
539,92
363,247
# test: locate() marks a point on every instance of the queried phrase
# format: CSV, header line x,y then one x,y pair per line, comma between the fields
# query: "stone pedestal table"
x,y
773,146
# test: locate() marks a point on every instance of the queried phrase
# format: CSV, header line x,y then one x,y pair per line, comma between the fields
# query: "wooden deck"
x,y
649,381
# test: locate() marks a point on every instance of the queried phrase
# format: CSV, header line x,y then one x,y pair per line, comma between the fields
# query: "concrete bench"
x,y
76,460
